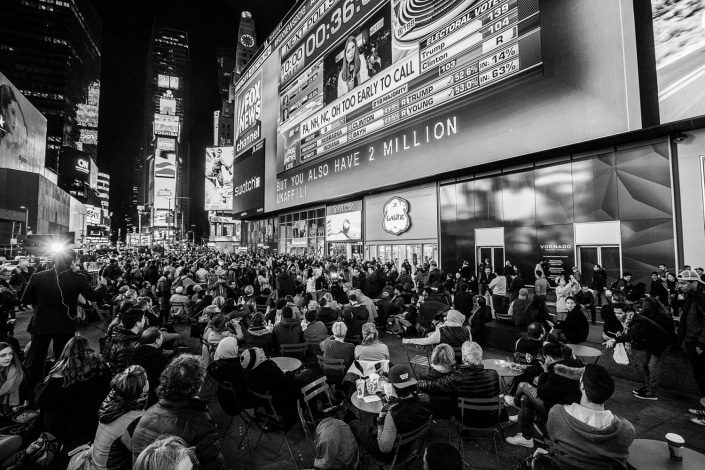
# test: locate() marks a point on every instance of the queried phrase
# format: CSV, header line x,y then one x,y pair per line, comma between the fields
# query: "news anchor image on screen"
x,y
354,70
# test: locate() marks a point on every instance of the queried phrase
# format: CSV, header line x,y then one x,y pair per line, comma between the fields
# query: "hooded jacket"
x,y
691,328
561,384
579,445
575,327
287,331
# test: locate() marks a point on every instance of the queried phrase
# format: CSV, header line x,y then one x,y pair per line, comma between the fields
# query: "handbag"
x,y
620,354
81,458
40,453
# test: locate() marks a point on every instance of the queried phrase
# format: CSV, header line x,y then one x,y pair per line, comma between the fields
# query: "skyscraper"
x,y
246,46
51,50
161,167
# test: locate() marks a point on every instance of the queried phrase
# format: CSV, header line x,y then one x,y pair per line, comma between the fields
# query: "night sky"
x,y
126,32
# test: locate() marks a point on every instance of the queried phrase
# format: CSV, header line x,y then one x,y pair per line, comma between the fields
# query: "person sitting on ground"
x,y
180,412
584,435
612,326
226,368
149,355
453,332
167,453
126,338
585,299
575,328
287,331
13,380
404,413
469,380
336,347
336,448
72,394
517,309
125,403
442,455
371,348
558,384
259,336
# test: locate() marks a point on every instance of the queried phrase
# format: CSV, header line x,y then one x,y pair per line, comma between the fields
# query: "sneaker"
x,y
509,401
699,421
641,390
514,418
519,440
699,412
646,396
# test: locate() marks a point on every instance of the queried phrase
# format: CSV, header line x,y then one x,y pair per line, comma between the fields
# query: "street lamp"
x,y
26,219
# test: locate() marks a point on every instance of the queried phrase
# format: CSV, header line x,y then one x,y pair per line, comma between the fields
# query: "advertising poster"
x,y
92,215
164,192
248,115
23,131
680,57
167,104
248,182
75,165
166,125
164,143
555,244
164,164
93,175
346,226
219,178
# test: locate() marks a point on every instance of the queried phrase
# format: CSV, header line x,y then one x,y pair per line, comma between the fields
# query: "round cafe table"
x,y
287,363
504,372
373,407
585,351
649,454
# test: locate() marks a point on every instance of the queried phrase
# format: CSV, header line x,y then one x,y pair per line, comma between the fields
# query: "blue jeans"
x,y
530,403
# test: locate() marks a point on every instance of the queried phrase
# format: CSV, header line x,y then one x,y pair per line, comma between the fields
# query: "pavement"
x,y
651,419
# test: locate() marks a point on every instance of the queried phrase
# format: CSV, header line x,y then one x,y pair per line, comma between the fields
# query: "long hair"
x,y
77,362
356,59
7,96
182,378
15,359
369,333
165,454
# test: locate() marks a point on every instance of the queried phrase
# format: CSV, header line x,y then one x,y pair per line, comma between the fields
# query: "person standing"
x,y
541,286
598,286
53,294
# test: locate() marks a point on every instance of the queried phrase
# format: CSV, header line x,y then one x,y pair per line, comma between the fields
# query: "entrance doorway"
x,y
494,253
489,244
606,256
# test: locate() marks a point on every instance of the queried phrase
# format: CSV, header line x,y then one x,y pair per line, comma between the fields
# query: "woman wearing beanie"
x,y
226,368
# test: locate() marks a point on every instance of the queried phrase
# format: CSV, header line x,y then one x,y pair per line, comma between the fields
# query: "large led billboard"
x,y
166,125
75,165
375,93
680,57
248,182
219,178
164,164
23,131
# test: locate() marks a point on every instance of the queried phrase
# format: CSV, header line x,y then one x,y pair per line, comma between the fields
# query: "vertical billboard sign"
x,y
93,175
248,182
164,171
23,131
680,62
248,114
219,178
164,164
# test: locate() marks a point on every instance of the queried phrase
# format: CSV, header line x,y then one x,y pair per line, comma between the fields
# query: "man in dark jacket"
x,y
358,311
650,337
559,383
598,285
659,288
469,380
179,413
150,356
516,283
286,285
54,296
435,276
287,331
575,328
585,299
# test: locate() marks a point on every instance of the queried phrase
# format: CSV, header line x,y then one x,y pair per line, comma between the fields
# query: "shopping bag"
x,y
620,354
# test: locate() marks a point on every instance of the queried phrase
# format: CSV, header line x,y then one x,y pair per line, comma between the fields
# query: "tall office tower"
x,y
226,65
50,50
246,45
161,171
223,129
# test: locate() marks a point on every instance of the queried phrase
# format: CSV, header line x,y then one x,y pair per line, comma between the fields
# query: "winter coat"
x,y
691,328
120,347
268,377
646,334
575,327
286,285
230,370
561,384
107,434
359,312
154,362
259,338
287,331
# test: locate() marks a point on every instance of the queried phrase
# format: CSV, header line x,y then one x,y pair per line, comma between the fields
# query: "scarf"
x,y
10,388
114,406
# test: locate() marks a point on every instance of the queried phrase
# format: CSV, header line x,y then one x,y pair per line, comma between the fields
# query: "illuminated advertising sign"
x,y
74,165
248,182
248,115
23,131
344,222
93,175
167,81
164,164
92,215
167,106
166,125
219,178
164,192
166,144
88,136
87,115
680,63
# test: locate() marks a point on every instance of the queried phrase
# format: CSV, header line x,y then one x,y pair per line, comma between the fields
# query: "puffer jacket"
x,y
187,418
121,348
561,384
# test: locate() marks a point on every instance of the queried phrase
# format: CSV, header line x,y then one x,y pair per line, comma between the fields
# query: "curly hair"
x,y
182,378
165,454
77,363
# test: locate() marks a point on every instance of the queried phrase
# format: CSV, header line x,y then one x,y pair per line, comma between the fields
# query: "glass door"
x,y
494,253
606,256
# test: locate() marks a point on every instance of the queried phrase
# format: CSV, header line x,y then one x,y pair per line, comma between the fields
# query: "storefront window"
x,y
302,232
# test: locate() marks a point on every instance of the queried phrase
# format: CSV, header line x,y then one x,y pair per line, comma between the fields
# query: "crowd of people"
x,y
134,399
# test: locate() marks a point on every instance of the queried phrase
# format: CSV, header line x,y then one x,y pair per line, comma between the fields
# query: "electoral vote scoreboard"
x,y
406,60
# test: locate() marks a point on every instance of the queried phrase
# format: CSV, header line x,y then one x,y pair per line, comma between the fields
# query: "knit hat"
x,y
251,358
179,290
227,348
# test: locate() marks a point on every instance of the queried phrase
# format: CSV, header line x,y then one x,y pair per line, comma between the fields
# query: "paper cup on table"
x,y
675,446
388,389
360,384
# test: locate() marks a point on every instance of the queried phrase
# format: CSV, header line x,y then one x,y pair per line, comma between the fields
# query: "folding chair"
x,y
317,388
415,441
485,405
246,418
417,360
313,348
333,369
297,350
270,416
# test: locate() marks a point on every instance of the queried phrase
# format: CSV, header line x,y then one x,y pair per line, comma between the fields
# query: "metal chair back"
x,y
297,350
